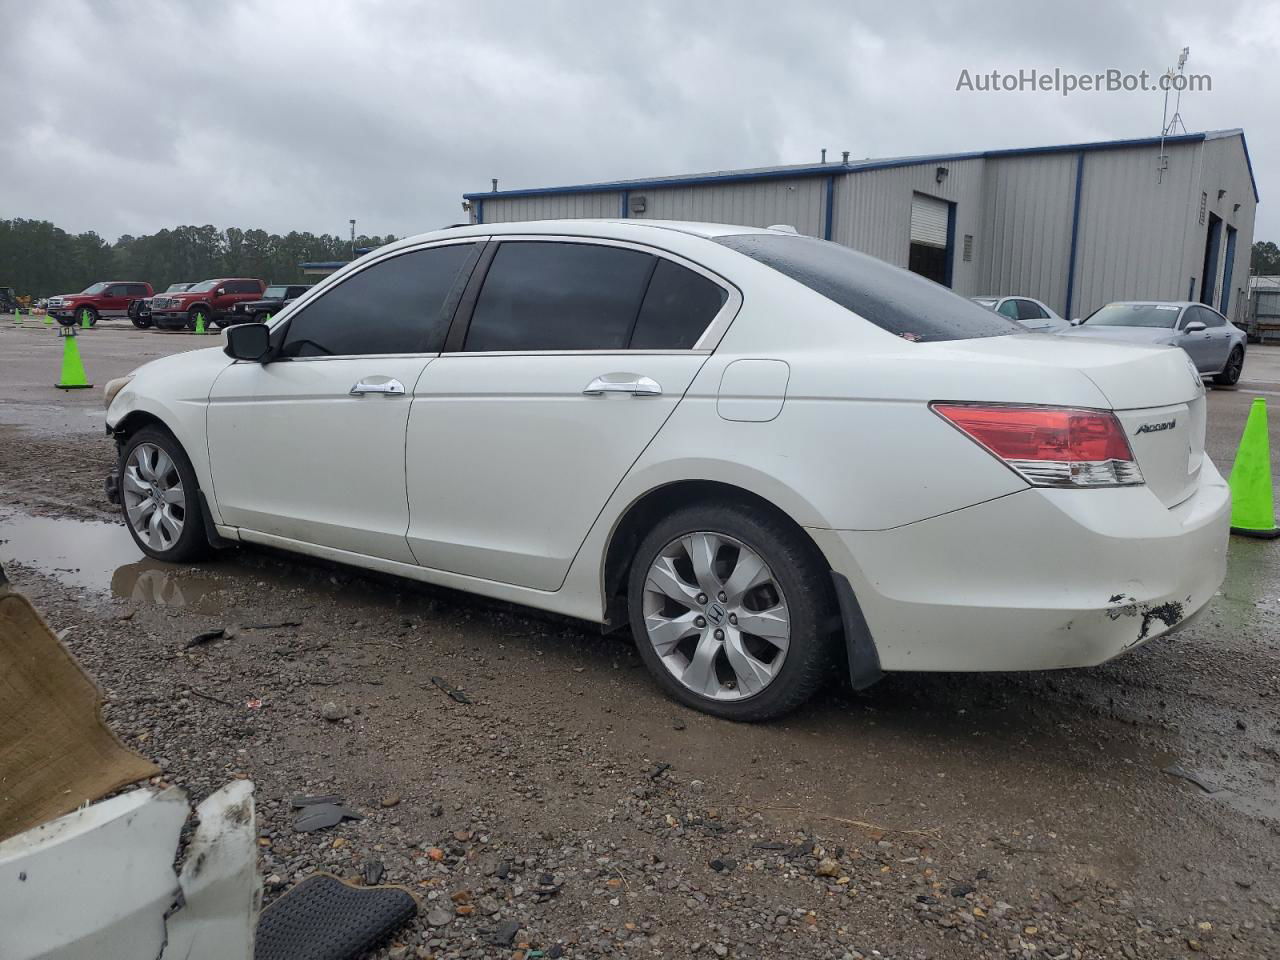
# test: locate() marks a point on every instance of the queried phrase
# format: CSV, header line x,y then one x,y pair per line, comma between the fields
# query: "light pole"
x,y
353,239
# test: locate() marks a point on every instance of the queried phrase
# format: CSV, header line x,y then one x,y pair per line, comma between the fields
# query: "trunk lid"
x,y
1156,393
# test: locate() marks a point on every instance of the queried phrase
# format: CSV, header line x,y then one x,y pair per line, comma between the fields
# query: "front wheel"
x,y
729,606
159,497
142,323
1230,374
195,317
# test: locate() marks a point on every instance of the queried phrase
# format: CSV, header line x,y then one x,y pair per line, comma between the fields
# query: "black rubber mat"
x,y
323,918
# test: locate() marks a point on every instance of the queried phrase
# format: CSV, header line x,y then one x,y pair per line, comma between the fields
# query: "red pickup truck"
x,y
110,298
211,299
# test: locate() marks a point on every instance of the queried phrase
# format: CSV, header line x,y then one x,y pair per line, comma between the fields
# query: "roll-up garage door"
x,y
928,221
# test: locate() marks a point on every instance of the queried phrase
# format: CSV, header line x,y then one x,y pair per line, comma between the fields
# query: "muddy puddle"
x,y
102,558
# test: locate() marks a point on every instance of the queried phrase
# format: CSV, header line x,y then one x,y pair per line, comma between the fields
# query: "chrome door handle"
x,y
631,383
385,385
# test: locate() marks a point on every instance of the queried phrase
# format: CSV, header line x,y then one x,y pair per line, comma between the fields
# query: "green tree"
x,y
1264,260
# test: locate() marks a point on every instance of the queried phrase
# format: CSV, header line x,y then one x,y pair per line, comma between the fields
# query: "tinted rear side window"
x,y
677,308
541,295
892,298
400,305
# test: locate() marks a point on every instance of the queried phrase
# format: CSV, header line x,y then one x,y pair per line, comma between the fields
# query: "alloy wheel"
x,y
154,499
716,616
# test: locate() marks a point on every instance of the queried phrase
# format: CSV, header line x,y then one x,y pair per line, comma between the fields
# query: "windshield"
x,y
203,287
94,288
276,293
178,287
986,301
895,300
1135,315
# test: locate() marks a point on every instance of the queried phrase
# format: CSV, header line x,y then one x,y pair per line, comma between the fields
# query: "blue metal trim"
x,y
1212,249
1226,271
479,210
1075,235
948,272
626,203
831,199
831,169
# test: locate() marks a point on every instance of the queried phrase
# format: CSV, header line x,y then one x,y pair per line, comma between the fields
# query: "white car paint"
x,y
509,483
100,882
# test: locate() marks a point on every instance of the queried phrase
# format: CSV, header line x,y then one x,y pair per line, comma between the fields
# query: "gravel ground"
x,y
569,808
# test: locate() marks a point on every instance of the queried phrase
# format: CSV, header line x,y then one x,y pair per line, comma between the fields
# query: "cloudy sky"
x,y
125,116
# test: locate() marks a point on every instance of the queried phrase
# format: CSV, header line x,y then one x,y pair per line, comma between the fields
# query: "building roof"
x,y
857,166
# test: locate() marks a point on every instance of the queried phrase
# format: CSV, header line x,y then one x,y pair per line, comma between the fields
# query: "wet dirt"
x,y
1043,792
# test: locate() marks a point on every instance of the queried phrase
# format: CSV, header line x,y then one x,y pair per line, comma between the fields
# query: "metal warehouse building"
x,y
1075,225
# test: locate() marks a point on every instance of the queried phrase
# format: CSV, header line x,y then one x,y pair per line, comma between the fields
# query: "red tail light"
x,y
1050,446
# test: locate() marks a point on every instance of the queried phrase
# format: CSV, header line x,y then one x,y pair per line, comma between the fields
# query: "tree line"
x,y
40,259
1264,260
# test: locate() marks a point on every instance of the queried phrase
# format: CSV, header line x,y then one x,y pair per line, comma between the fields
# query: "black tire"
x,y
93,316
798,569
142,323
222,323
192,543
1230,374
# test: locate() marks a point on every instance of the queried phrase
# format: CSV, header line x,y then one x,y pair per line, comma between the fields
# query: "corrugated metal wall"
x,y
1224,168
1134,226
550,206
873,212
799,202
1139,234
1025,241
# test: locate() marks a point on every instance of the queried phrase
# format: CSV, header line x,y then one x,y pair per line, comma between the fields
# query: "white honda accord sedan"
x,y
770,456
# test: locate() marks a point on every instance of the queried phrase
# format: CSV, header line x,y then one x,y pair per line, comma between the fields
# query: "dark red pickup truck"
x,y
211,299
110,298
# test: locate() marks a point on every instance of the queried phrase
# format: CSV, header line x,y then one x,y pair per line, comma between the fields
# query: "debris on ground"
x,y
321,816
453,692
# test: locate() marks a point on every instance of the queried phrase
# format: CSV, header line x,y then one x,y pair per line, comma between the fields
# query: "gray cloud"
x,y
130,116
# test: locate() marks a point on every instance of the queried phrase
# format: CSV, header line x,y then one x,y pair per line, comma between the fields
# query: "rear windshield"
x,y
1135,315
894,299
276,293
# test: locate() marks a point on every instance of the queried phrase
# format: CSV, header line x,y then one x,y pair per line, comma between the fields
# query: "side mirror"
x,y
1195,326
1076,321
221,291
248,341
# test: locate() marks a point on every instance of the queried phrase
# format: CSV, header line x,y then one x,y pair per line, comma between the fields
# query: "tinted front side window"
x,y
1209,318
893,299
1027,310
678,306
401,305
541,295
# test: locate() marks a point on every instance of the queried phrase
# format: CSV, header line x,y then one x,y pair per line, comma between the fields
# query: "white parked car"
x,y
1031,313
762,452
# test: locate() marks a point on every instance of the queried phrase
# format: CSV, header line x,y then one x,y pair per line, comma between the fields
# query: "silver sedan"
x,y
1215,345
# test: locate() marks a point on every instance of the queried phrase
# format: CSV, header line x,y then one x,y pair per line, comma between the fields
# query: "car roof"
x,y
1157,303
561,227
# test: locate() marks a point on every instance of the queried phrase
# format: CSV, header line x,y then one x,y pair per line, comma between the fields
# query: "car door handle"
x,y
631,383
385,385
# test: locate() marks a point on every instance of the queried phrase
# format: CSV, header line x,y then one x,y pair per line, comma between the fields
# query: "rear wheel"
x,y
159,497
1230,374
728,605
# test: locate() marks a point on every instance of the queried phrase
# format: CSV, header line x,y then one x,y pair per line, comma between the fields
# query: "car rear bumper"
x,y
1036,580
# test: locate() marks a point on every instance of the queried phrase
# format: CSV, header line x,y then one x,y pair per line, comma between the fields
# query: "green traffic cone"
x,y
84,319
199,323
48,318
1253,511
73,377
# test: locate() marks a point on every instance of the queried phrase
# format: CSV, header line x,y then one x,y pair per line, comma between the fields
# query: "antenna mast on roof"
x,y
1169,125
